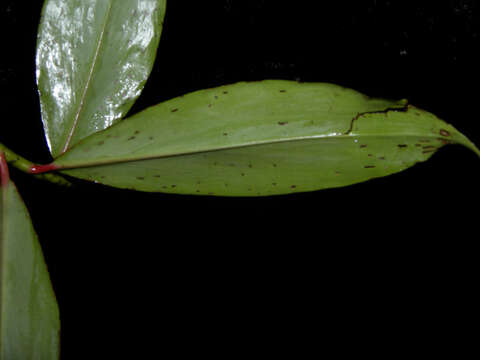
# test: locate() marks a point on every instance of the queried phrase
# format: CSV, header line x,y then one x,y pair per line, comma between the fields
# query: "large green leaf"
x,y
265,138
29,318
93,59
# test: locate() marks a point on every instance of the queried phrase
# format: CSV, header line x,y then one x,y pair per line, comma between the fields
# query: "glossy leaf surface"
x,y
29,318
264,138
93,59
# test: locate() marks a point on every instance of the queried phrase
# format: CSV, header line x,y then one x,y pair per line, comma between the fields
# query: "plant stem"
x,y
24,165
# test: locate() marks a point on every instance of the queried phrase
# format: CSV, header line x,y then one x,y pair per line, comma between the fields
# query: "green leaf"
x,y
93,59
29,318
264,138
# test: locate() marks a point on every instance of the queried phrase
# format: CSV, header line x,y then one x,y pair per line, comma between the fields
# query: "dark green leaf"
x,y
93,59
265,138
29,319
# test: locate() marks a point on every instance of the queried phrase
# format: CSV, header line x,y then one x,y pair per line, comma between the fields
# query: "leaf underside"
x,y
29,318
262,138
93,59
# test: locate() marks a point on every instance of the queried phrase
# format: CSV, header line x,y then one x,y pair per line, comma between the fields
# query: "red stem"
x,y
4,176
39,169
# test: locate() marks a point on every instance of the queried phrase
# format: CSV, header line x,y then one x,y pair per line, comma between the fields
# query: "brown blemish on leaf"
x,y
444,132
225,134
140,178
225,92
282,122
402,146
150,138
429,147
369,155
363,146
293,186
174,110
131,138
283,91
101,142
427,151
137,132
174,186
444,141
369,166
381,158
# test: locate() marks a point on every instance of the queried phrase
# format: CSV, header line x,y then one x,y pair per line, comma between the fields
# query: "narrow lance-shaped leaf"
x,y
29,318
93,59
265,138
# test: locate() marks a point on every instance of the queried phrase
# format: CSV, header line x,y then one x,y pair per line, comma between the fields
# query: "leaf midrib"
x,y
81,105
118,160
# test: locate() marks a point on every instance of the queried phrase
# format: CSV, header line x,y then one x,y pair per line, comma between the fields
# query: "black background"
x,y
391,261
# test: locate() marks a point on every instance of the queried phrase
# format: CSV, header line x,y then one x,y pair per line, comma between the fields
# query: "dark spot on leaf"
x,y
150,138
250,166
369,155
282,122
137,132
444,141
174,110
243,174
131,138
274,184
274,165
225,92
444,132
157,176
216,97
363,146
140,178
427,151
369,166
401,146
101,142
418,145
225,134
209,105
174,186
283,91
382,157
293,186
429,147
